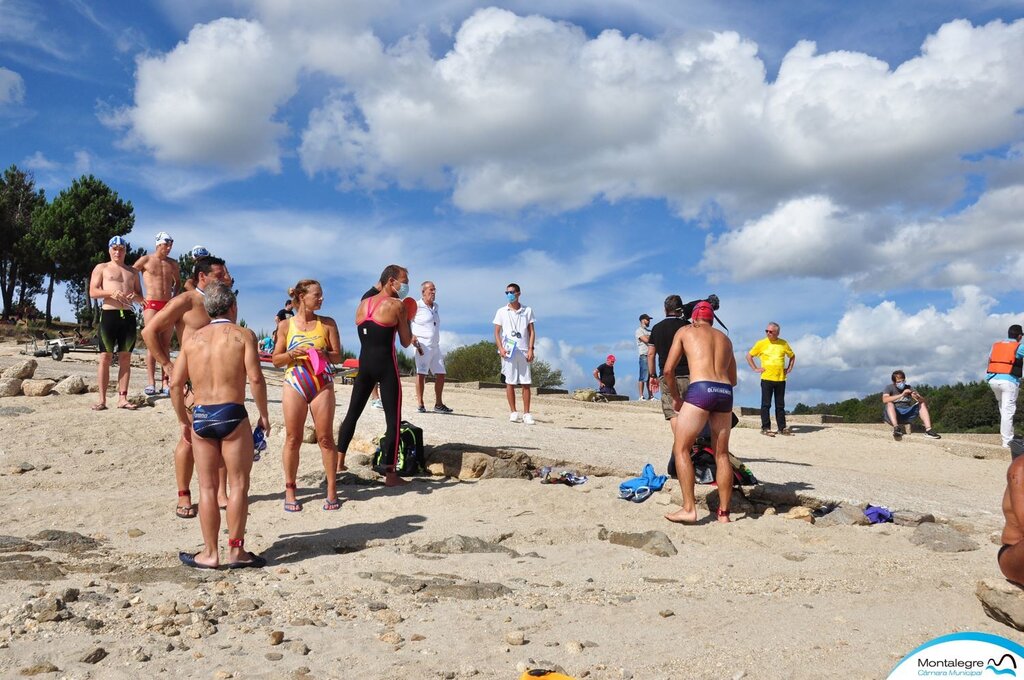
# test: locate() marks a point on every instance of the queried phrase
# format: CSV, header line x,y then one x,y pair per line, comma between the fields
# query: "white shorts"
x,y
432,361
516,369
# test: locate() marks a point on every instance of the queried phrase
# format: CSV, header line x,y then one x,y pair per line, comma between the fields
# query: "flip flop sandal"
x,y
127,406
291,506
256,562
150,390
189,560
185,511
332,505
99,407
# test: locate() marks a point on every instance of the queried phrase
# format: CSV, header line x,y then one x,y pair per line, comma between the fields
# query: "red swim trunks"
x,y
155,304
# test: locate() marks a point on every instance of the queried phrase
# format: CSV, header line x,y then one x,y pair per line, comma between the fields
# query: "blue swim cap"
x,y
117,241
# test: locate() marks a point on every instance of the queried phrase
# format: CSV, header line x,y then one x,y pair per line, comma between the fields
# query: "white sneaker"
x,y
377,403
513,417
527,419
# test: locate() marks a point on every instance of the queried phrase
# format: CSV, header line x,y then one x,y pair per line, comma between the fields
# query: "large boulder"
x,y
10,387
22,370
941,538
447,462
1002,601
655,542
844,515
37,388
73,384
308,435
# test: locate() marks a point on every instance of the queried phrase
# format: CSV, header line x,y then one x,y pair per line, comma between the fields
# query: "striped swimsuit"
x,y
299,374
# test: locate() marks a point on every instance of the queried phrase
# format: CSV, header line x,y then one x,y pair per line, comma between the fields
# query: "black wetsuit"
x,y
378,363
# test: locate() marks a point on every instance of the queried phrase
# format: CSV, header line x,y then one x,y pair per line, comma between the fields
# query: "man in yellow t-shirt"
x,y
773,351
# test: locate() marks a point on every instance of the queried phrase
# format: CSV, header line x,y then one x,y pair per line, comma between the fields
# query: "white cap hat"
x,y
200,251
163,237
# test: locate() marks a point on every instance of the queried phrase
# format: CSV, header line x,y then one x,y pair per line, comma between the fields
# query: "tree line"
x,y
46,242
964,407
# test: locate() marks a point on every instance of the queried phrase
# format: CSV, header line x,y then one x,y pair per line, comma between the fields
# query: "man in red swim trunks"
x,y
709,395
162,280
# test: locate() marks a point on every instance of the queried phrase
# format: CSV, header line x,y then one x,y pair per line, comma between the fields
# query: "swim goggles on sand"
x,y
637,495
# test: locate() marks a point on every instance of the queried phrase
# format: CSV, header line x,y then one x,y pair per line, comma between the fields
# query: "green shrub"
x,y
480,362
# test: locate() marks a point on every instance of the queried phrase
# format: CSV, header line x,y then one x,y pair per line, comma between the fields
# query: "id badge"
x,y
510,346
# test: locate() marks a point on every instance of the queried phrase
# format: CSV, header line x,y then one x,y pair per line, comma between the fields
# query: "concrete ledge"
x,y
809,418
472,385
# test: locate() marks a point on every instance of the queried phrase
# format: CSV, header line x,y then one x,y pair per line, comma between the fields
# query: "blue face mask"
x,y
511,297
901,385
403,291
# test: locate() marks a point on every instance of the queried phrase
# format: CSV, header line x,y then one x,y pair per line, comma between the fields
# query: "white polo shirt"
x,y
426,325
515,324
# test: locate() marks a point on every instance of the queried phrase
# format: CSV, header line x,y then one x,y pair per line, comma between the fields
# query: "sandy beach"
x,y
484,578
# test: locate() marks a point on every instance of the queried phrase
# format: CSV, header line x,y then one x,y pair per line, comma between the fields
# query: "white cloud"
x,y
814,237
212,99
12,87
529,111
932,345
39,162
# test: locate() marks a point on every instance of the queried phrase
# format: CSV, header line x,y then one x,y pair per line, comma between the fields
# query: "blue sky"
x,y
852,171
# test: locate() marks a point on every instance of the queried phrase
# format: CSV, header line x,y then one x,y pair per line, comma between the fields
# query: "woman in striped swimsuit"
x,y
307,345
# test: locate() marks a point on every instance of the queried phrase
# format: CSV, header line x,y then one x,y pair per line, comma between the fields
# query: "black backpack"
x,y
411,457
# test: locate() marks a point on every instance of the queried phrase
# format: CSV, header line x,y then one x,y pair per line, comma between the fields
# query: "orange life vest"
x,y
1003,358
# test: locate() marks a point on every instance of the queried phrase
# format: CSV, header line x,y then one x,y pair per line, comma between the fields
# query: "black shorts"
x,y
117,330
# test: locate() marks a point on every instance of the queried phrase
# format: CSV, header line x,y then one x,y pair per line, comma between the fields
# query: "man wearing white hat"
x,y
162,279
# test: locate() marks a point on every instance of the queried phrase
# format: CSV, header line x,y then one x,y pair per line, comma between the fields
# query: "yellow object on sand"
x,y
541,674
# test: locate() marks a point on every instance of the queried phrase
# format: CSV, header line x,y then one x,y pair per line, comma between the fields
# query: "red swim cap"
x,y
702,311
610,359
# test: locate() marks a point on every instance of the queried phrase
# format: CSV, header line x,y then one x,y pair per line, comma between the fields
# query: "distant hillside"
x,y
969,407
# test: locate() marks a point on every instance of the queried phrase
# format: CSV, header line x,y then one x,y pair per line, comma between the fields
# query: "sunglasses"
x,y
768,330
511,292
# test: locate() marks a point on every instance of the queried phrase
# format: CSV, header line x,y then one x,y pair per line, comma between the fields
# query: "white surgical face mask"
x,y
901,385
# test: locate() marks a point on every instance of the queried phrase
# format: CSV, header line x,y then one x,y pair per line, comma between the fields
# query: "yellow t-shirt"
x,y
773,357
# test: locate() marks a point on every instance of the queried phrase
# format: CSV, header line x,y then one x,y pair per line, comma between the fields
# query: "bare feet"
x,y
392,479
681,516
341,462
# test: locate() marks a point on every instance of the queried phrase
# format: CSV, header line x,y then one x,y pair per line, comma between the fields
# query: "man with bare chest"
x,y
187,310
162,280
1011,553
118,286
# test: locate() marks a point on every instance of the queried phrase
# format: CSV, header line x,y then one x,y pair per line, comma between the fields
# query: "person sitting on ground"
x,y
1011,553
903,404
605,375
217,358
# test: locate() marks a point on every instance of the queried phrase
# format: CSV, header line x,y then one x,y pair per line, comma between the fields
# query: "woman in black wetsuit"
x,y
378,318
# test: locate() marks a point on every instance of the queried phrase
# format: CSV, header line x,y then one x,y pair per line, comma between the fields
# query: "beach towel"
x,y
639,489
877,514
